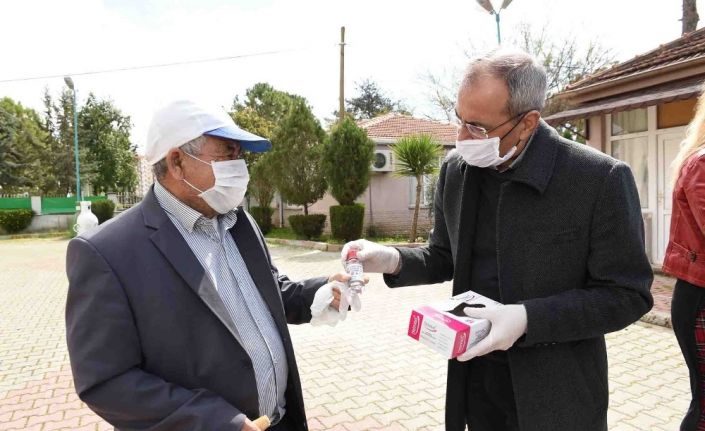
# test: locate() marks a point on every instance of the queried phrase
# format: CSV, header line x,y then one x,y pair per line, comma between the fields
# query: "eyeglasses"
x,y
478,132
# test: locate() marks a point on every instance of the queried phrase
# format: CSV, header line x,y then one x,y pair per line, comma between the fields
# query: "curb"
x,y
34,235
653,317
658,318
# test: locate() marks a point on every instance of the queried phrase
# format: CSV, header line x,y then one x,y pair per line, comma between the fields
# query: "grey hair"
x,y
525,77
192,147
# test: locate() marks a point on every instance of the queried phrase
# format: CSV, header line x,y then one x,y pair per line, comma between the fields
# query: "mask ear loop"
x,y
516,146
192,186
204,162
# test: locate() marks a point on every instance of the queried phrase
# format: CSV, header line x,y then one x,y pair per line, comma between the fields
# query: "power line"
x,y
161,65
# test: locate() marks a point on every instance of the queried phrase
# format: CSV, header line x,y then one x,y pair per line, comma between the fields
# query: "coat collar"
x,y
537,166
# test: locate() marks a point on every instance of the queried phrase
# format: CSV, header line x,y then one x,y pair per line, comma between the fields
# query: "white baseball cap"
x,y
184,120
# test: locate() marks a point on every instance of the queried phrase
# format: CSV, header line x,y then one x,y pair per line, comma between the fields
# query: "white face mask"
x,y
231,178
483,153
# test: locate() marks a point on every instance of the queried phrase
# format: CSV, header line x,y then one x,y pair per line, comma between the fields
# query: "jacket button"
x,y
692,256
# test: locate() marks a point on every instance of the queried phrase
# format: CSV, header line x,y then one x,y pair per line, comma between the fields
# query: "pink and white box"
x,y
445,328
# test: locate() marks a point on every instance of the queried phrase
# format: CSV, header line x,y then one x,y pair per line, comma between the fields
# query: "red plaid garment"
x,y
700,348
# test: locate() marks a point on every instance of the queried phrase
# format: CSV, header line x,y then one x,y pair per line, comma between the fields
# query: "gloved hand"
x,y
322,313
374,257
508,324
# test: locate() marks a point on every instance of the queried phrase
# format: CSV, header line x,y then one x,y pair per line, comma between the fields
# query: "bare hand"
x,y
250,426
343,278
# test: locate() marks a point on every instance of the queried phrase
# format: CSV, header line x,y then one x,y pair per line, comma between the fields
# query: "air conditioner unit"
x,y
382,161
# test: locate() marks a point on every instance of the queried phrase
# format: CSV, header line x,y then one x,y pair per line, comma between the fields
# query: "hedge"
x,y
307,226
13,221
263,217
346,221
103,209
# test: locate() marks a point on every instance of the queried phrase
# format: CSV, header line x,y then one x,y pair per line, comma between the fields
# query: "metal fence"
x,y
127,200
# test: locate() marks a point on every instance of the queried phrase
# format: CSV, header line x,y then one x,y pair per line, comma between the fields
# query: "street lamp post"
x,y
494,7
69,82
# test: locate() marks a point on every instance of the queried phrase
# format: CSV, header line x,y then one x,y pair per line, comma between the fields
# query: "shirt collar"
x,y
187,216
518,160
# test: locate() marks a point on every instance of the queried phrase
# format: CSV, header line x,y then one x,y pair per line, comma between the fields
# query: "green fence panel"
x,y
58,205
15,203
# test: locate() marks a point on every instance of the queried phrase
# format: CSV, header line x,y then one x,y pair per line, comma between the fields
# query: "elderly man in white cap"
x,y
176,315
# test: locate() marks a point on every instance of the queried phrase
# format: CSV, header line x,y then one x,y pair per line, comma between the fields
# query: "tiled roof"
x,y
394,126
686,48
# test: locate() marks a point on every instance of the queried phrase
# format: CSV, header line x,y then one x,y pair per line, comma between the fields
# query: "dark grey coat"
x,y
570,247
152,346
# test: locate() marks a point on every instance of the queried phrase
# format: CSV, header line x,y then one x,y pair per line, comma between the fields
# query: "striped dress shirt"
x,y
217,252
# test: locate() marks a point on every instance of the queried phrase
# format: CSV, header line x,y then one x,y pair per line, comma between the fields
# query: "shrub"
x,y
263,217
307,226
103,209
346,221
373,231
13,221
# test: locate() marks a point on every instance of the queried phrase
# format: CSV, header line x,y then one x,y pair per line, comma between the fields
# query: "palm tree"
x,y
416,156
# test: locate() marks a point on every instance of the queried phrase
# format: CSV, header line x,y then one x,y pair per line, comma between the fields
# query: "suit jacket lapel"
x,y
255,257
172,245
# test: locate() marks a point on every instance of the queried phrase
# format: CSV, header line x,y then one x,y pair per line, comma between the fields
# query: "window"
x,y
427,190
626,122
635,153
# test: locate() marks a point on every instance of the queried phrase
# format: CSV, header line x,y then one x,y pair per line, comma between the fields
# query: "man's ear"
x,y
174,163
531,122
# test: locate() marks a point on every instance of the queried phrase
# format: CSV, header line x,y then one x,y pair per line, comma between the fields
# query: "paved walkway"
x,y
363,374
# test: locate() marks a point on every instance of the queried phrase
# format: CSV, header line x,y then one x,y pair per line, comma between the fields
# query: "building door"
x,y
668,146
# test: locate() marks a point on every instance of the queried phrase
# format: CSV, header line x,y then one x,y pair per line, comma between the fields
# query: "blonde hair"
x,y
694,137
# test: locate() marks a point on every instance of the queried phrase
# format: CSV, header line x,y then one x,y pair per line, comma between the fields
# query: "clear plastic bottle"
x,y
354,267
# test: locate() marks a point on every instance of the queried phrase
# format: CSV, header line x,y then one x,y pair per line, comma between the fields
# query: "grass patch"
x,y
287,233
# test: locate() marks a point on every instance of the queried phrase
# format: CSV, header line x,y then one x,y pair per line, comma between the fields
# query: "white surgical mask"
x,y
231,178
483,153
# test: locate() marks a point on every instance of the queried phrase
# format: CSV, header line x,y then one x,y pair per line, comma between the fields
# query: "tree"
x,y
11,158
22,143
347,159
110,159
261,186
297,156
566,61
270,104
348,156
371,102
58,161
690,16
416,156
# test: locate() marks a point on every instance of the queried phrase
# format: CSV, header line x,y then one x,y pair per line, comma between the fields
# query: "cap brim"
x,y
248,141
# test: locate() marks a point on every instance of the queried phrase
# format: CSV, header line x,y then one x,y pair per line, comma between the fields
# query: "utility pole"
x,y
341,108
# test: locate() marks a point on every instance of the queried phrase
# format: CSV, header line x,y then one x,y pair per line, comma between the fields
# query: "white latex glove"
x,y
508,324
374,257
348,297
322,313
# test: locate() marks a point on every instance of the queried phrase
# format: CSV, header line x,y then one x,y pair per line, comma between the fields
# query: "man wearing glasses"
x,y
551,229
